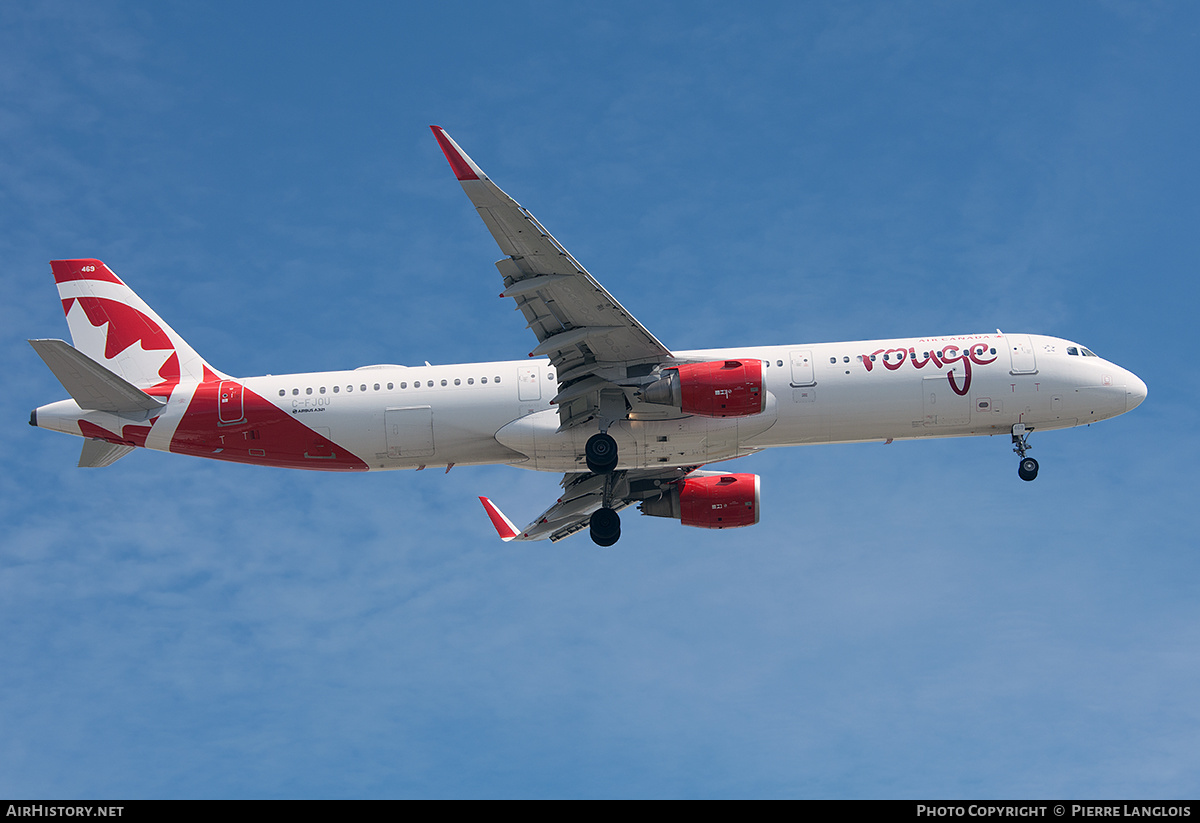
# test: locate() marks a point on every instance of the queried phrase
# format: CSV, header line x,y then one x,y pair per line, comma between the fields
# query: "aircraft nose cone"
x,y
1135,392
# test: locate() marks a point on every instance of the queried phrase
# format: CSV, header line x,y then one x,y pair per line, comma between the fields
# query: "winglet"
x,y
464,167
504,526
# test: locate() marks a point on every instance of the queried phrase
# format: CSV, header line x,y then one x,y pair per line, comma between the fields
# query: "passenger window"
x,y
443,382
282,392
483,380
846,359
376,387
497,379
833,360
470,381
308,390
322,390
457,382
335,389
429,384
295,392
391,386
349,388
363,387
404,385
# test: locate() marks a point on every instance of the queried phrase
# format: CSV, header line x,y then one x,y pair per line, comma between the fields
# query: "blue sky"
x,y
906,621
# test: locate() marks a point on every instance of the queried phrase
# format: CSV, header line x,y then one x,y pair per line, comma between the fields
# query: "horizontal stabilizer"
x,y
91,385
97,454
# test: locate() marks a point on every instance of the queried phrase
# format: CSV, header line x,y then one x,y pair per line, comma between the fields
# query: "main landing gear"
x,y
1027,469
605,527
601,455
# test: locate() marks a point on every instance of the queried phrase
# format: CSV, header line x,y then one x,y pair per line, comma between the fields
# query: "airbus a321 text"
x,y
622,417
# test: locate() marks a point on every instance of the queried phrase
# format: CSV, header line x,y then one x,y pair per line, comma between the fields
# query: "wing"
x,y
593,342
583,494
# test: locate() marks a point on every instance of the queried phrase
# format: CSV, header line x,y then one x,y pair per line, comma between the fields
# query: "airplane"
x,y
623,418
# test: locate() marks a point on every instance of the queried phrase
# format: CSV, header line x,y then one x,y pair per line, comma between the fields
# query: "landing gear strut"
x,y
601,453
605,523
1027,469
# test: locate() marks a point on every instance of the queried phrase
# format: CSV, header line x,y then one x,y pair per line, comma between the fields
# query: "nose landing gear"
x,y
1027,469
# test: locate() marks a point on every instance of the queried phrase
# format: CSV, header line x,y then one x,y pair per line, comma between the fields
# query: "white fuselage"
x,y
396,417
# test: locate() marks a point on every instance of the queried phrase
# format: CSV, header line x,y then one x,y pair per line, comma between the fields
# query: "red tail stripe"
x,y
65,270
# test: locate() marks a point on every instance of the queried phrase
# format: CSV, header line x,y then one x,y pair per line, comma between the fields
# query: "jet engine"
x,y
719,388
724,501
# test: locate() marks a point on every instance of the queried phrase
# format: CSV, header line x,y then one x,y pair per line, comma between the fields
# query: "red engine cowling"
x,y
725,501
719,388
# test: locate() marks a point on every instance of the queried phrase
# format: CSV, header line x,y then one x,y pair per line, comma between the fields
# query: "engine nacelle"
x,y
725,501
719,388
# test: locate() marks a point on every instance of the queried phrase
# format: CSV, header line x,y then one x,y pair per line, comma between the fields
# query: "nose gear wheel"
x,y
1027,469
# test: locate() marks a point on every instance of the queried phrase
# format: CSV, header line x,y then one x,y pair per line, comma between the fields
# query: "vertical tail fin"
x,y
113,326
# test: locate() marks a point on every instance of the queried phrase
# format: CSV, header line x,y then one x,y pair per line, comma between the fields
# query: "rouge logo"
x,y
978,353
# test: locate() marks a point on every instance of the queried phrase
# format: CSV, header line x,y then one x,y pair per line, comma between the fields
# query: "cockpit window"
x,y
1072,350
1087,353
